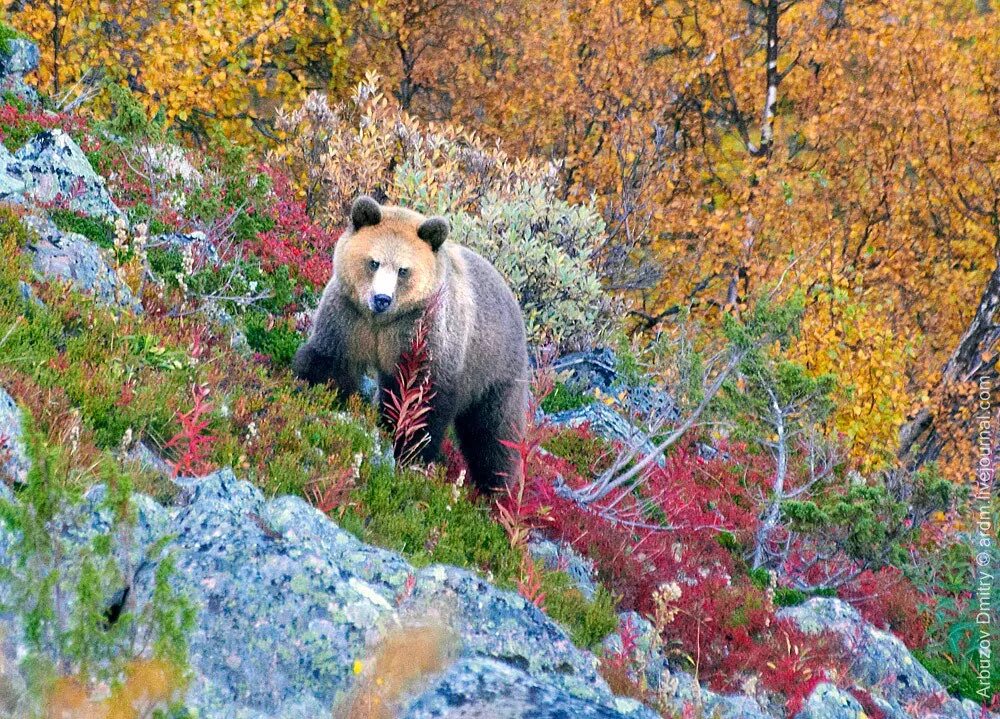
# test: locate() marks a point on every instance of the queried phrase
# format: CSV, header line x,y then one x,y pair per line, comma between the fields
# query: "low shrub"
x,y
542,246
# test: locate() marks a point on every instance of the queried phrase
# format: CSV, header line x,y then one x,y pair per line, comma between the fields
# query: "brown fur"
x,y
479,362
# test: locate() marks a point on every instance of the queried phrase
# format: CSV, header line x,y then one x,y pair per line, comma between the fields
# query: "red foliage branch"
x,y
295,240
407,412
193,438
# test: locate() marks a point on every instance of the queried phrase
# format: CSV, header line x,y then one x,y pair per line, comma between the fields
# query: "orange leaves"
x,y
148,685
199,59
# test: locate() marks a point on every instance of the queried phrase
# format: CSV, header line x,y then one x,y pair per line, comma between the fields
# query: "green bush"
x,y
278,341
588,622
565,397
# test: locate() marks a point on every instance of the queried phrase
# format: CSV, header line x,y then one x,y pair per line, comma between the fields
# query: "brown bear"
x,y
387,268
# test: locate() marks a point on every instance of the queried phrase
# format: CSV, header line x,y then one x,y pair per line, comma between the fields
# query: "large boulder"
x,y
288,603
55,170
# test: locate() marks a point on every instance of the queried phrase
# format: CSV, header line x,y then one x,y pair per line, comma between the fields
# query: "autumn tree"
x,y
194,62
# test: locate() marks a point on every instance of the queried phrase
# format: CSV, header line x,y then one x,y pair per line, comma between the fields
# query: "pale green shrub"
x,y
542,246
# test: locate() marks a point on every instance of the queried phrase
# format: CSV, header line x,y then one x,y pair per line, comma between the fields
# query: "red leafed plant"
x,y
887,599
529,585
407,411
295,240
194,440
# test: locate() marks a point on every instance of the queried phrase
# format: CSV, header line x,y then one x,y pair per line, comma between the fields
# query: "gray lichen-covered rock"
x,y
881,664
11,184
484,688
73,258
558,556
288,602
830,702
19,57
14,462
55,169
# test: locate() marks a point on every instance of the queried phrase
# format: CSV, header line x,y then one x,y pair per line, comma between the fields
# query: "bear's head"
x,y
387,263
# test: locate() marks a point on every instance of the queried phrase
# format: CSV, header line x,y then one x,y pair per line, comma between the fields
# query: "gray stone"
x,y
475,687
19,57
11,184
881,664
829,702
55,169
15,465
288,601
75,259
558,556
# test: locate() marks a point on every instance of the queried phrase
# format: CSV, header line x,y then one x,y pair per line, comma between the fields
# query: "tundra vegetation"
x,y
783,213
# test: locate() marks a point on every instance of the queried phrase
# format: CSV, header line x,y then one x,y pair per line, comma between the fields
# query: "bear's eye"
x,y
372,265
404,272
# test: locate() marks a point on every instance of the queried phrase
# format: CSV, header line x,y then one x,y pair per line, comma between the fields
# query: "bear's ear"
x,y
365,212
433,231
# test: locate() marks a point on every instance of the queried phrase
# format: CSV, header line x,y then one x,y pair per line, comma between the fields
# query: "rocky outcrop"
x,y
54,169
287,602
69,257
881,666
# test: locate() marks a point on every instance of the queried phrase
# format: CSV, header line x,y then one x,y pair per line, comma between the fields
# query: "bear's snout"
x,y
380,303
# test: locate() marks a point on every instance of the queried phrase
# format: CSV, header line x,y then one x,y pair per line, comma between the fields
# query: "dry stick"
x,y
608,485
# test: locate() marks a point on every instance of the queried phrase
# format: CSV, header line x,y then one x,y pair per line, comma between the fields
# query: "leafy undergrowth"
x,y
687,571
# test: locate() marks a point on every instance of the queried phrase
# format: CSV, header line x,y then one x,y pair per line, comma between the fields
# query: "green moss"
x,y
565,397
588,622
587,454
960,679
278,341
96,230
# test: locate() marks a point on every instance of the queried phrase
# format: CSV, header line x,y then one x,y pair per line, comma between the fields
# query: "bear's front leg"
x,y
316,367
323,358
441,416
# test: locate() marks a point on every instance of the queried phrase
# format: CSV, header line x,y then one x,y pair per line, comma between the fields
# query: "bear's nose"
x,y
380,303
